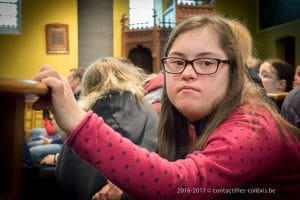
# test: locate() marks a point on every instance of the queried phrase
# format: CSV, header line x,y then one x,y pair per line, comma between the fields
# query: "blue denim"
x,y
40,151
33,143
37,132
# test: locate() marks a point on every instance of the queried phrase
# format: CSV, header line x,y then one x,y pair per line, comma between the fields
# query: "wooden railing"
x,y
278,98
13,93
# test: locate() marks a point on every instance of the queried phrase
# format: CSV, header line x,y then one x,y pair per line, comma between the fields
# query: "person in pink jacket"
x,y
219,136
153,90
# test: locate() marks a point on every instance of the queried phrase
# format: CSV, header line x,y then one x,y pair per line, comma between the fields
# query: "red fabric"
x,y
246,149
154,83
157,107
49,126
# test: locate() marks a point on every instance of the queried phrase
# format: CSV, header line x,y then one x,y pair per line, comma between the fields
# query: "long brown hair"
x,y
173,138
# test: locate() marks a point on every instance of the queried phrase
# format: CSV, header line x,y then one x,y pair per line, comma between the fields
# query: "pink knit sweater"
x,y
244,155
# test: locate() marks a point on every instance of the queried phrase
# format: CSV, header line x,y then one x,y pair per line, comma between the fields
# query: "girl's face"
x,y
269,78
297,77
194,94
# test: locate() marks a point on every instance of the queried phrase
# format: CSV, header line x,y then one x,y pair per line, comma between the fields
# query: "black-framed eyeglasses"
x,y
204,66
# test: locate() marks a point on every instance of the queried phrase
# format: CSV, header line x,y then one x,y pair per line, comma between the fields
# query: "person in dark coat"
x,y
113,89
290,109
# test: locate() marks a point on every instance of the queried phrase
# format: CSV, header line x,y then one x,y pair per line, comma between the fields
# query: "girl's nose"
x,y
189,72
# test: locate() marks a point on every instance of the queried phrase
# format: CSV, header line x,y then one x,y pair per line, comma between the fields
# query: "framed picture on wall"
x,y
57,39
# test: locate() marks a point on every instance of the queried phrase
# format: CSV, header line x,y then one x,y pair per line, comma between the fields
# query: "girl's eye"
x,y
207,63
179,62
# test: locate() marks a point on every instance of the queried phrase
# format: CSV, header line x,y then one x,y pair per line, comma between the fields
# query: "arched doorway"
x,y
285,48
142,57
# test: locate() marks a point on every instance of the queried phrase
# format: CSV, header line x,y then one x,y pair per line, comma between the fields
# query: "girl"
x,y
217,131
277,75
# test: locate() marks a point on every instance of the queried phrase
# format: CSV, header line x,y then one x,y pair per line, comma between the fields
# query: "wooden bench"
x,y
32,118
13,93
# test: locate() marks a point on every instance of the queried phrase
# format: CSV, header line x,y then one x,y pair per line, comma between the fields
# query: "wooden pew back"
x,y
13,93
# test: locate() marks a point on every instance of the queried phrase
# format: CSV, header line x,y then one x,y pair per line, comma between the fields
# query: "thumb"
x,y
103,193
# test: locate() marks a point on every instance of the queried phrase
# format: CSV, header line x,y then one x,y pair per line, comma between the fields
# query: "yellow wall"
x,y
164,4
235,8
22,55
264,40
120,7
244,10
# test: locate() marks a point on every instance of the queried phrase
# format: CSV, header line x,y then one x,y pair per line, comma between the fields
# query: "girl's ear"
x,y
282,85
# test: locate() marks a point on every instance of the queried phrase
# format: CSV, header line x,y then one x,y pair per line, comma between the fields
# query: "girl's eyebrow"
x,y
176,53
202,54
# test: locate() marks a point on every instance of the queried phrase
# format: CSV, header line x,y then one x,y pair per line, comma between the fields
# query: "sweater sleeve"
x,y
49,126
234,155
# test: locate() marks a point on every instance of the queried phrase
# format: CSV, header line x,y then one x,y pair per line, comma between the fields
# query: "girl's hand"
x,y
49,160
60,101
108,192
45,140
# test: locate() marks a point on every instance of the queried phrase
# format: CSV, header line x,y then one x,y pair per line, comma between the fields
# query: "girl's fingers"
x,y
103,193
44,72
